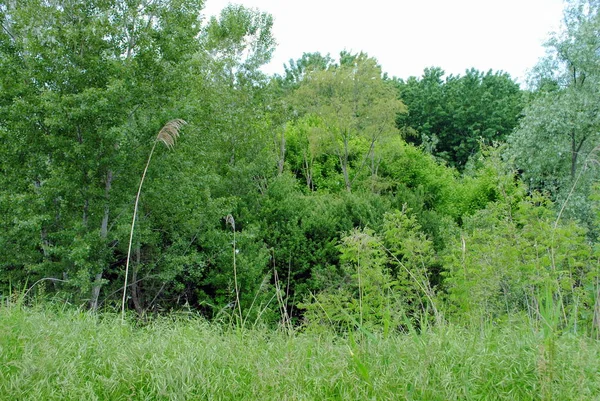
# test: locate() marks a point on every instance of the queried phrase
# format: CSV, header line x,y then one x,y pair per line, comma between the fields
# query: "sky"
x,y
406,36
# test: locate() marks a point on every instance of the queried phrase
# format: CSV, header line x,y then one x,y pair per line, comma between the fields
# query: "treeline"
x,y
355,199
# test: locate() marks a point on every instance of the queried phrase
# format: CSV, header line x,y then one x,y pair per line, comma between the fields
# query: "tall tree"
x,y
92,79
450,116
561,127
297,69
357,107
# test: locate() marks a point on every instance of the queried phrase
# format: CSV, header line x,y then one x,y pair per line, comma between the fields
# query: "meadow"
x,y
49,353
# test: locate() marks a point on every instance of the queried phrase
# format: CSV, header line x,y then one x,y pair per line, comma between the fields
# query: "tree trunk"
x,y
135,293
43,231
573,157
308,173
575,149
103,234
281,161
95,292
346,177
344,165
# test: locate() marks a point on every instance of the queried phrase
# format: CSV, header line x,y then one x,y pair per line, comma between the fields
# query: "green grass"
x,y
47,354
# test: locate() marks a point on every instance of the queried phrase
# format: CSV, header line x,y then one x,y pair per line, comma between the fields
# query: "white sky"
x,y
406,36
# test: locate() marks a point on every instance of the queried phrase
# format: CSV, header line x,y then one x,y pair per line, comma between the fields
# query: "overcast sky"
x,y
408,35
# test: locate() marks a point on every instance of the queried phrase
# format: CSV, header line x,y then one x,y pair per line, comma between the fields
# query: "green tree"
x,y
508,254
560,130
225,167
412,257
357,108
513,249
297,69
450,117
240,40
94,82
77,65
361,296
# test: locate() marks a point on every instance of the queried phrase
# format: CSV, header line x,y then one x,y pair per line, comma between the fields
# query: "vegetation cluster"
x,y
331,202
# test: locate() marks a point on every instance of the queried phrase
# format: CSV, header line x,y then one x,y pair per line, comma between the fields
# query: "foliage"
x,y
384,281
167,135
307,155
507,255
358,296
96,81
374,213
240,41
298,69
93,74
555,143
414,267
412,176
450,117
356,109
302,232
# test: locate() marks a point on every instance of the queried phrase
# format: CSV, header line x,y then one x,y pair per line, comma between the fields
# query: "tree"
x,y
297,70
560,129
357,107
240,39
450,117
306,157
425,101
93,81
510,252
362,294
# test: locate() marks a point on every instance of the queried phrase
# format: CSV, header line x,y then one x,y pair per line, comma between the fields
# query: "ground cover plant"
x,y
53,354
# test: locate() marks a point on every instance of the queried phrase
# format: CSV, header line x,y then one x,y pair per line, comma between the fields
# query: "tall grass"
x,y
50,354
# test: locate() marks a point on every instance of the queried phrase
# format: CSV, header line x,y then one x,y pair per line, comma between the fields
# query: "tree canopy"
x,y
330,196
451,116
557,138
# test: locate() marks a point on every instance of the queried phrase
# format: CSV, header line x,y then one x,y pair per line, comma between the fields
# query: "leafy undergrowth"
x,y
69,355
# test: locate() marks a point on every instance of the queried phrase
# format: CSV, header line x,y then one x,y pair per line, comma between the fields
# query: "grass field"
x,y
48,354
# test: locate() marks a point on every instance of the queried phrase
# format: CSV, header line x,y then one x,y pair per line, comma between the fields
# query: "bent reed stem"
x,y
167,135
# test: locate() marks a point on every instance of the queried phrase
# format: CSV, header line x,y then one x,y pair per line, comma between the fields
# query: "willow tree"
x,y
356,106
554,144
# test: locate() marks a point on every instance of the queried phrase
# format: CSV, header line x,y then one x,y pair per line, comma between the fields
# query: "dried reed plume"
x,y
167,135
170,132
231,221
